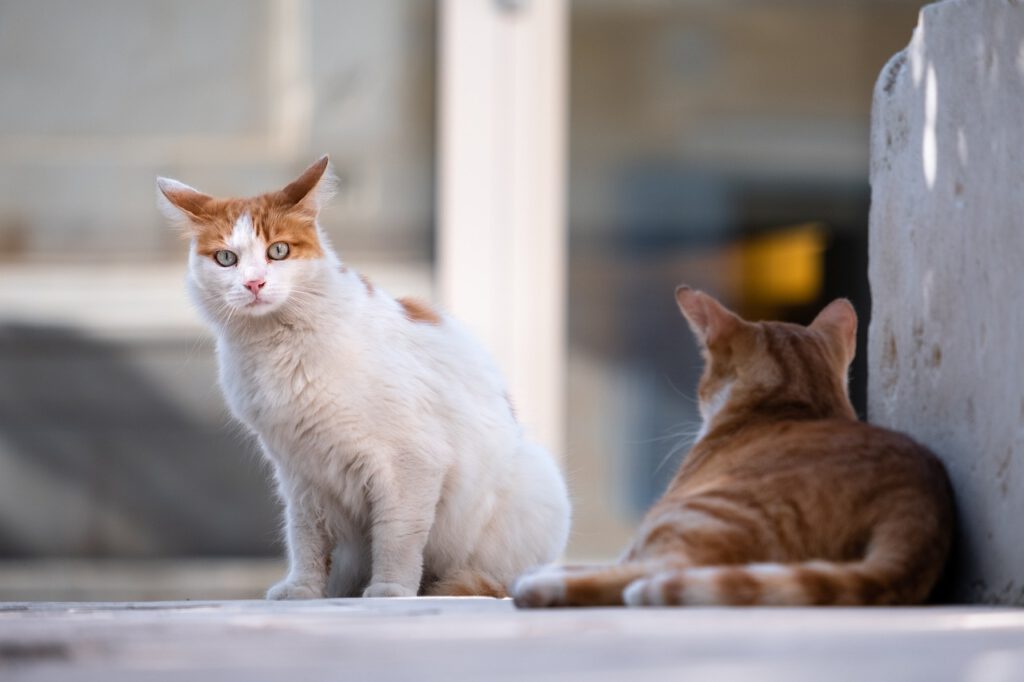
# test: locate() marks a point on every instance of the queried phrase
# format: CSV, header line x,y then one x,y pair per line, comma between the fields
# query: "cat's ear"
x,y
839,322
709,319
181,204
310,191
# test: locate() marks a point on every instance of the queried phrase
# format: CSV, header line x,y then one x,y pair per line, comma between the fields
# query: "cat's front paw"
x,y
539,588
287,589
388,590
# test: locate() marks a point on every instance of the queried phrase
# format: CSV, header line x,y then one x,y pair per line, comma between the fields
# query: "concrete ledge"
x,y
477,638
94,580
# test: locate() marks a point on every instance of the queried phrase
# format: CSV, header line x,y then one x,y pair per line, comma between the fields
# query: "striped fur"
x,y
785,499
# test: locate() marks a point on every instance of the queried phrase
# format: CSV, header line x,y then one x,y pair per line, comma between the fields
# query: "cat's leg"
x,y
309,547
402,515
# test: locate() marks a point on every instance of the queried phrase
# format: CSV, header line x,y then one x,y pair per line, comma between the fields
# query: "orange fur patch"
x,y
328,563
600,587
366,283
468,584
738,587
418,311
287,215
270,222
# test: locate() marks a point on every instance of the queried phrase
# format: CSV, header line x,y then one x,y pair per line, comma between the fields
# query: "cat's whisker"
x,y
193,350
687,440
679,392
677,431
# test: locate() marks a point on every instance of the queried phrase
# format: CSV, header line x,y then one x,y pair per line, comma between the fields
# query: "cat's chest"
x,y
281,386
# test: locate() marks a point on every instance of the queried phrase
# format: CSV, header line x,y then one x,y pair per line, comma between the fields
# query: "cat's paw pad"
x,y
287,589
388,590
647,591
539,588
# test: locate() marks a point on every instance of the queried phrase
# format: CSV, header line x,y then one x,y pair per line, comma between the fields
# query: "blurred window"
x,y
719,144
114,440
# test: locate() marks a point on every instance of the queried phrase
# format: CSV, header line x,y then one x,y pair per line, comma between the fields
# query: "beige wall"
x,y
231,96
114,440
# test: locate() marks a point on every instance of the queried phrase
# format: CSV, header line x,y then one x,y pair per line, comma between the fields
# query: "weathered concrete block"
x,y
946,268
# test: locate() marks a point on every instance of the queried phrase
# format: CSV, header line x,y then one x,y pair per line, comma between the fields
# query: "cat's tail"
x,y
814,583
467,583
900,566
896,570
646,584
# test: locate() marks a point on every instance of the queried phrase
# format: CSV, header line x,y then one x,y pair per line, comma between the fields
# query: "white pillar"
x,y
501,208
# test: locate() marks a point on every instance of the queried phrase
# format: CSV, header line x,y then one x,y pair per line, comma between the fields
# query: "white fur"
x,y
543,587
170,211
699,586
390,439
709,409
639,593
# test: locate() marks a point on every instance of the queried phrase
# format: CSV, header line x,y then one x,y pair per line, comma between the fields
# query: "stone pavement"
x,y
477,639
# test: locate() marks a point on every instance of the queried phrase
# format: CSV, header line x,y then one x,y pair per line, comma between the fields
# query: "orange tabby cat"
x,y
785,498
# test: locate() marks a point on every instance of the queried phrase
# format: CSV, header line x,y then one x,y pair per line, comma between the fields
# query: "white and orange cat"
x,y
786,498
388,427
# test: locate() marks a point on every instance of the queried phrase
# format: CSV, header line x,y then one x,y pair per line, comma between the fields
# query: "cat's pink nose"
x,y
254,285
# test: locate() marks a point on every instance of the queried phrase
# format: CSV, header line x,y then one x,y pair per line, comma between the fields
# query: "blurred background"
x,y
723,144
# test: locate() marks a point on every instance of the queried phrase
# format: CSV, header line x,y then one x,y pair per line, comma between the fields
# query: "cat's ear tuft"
x,y
839,321
710,321
182,205
312,190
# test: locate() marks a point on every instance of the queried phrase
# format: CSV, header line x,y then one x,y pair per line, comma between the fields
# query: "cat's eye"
x,y
225,258
277,251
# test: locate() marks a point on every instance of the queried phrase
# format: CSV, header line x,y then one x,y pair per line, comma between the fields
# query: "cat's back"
x,y
828,454
826,482
793,490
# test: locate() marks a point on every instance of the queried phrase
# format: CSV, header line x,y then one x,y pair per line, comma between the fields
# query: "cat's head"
x,y
251,257
778,367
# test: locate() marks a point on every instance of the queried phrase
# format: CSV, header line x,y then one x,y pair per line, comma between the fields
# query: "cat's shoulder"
x,y
411,309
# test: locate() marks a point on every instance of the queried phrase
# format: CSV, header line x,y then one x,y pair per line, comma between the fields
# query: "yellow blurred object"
x,y
783,268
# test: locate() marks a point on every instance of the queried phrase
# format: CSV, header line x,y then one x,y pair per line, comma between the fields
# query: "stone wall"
x,y
946,342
